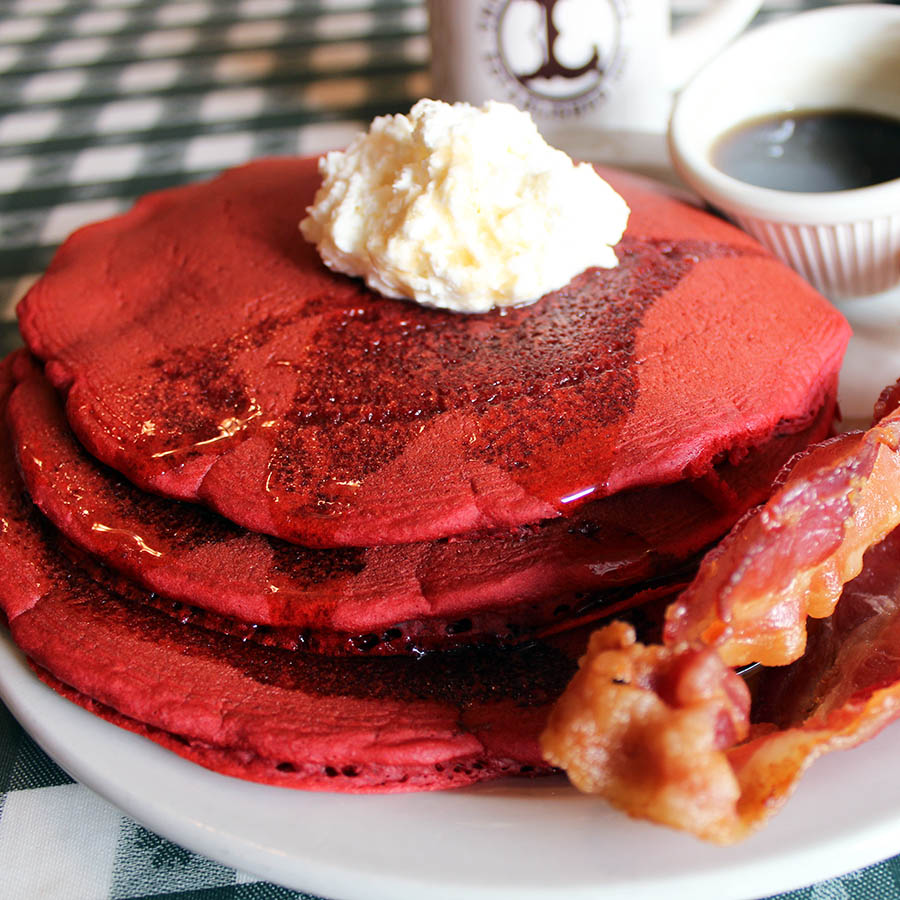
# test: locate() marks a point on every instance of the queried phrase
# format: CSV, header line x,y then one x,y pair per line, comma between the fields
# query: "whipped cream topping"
x,y
462,208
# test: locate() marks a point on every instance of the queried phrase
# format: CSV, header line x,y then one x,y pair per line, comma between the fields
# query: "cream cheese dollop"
x,y
462,208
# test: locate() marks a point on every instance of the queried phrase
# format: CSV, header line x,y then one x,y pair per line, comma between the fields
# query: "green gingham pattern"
x,y
105,100
60,841
101,103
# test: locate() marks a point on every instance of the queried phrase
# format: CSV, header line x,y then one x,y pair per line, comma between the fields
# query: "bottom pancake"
x,y
313,776
312,722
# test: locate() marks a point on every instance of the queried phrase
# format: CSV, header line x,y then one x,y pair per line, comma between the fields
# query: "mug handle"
x,y
697,41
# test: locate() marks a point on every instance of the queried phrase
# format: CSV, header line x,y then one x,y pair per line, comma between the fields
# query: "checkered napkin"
x,y
60,841
102,101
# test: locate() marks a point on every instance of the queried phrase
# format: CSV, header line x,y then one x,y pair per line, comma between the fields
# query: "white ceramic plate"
x,y
511,839
872,360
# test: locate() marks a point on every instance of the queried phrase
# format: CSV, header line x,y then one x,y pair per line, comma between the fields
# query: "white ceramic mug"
x,y
581,67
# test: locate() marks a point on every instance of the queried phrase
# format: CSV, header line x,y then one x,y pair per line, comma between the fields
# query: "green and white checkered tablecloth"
x,y
60,841
100,102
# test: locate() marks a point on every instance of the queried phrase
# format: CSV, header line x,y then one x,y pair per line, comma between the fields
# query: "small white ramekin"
x,y
846,243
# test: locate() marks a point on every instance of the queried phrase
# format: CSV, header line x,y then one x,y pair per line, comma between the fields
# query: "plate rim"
x,y
761,866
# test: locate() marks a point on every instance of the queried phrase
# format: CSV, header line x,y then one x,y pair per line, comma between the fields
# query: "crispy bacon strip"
x,y
663,733
648,727
790,559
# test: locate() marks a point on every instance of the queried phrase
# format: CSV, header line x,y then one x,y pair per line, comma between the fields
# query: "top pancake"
x,y
209,355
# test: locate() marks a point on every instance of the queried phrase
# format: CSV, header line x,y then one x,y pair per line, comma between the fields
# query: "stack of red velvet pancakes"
x,y
310,536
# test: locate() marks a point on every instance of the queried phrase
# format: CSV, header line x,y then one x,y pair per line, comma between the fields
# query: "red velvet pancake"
x,y
208,355
294,719
385,599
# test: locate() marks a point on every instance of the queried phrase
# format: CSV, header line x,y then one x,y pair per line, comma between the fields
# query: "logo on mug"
x,y
557,57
